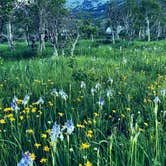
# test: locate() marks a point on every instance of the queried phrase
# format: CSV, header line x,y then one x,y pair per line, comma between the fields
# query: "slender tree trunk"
x,y
1,25
63,52
92,38
26,39
27,36
140,33
74,45
55,40
158,30
148,29
117,36
55,51
41,31
113,37
10,36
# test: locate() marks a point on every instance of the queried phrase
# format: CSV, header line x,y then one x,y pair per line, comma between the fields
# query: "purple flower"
x,y
15,99
101,102
40,101
14,106
26,100
55,132
63,95
26,160
54,92
69,126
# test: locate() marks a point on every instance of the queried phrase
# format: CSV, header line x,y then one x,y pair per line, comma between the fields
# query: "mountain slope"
x,y
85,4
96,8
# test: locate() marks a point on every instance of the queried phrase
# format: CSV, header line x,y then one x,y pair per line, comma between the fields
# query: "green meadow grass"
x,y
129,129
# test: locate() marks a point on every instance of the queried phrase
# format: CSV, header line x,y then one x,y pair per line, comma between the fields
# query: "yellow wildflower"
x,y
151,87
50,103
80,126
12,119
37,145
60,114
8,116
145,100
88,163
89,122
110,116
114,111
140,129
19,101
2,121
52,144
33,110
29,131
90,133
33,157
44,135
128,109
46,148
21,117
27,110
123,115
96,114
43,160
146,124
48,130
8,109
84,146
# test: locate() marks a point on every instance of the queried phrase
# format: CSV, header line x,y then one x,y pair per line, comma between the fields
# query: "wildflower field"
x,y
104,107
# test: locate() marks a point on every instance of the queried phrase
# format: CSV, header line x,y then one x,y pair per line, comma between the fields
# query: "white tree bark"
x,y
113,37
140,33
10,35
63,52
55,51
119,29
41,31
74,45
92,38
159,30
148,28
55,40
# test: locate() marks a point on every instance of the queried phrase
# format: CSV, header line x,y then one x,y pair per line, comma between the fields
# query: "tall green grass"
x,y
128,130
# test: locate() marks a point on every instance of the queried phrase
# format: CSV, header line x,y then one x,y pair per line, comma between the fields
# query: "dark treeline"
x,y
41,21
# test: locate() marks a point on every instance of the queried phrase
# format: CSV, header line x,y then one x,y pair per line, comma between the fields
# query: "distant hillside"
x,y
95,8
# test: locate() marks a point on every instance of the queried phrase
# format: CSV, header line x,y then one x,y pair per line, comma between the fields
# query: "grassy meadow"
x,y
108,102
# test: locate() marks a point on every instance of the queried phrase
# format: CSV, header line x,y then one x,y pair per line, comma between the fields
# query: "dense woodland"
x,y
39,21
